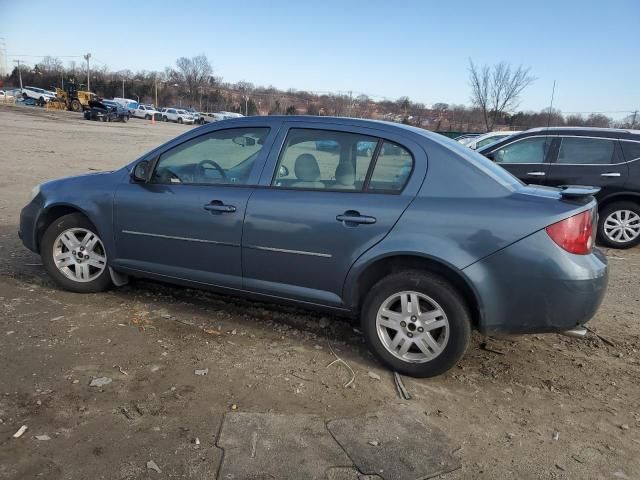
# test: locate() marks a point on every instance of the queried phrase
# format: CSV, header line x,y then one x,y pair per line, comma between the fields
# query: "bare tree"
x,y
195,72
496,89
51,64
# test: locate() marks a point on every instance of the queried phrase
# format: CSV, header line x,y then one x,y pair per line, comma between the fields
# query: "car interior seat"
x,y
345,176
307,172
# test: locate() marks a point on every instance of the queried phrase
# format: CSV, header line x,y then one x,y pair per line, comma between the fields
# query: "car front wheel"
x,y
619,225
416,323
74,256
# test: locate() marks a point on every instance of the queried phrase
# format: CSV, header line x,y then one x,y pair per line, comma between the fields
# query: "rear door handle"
x,y
610,174
536,174
351,217
219,207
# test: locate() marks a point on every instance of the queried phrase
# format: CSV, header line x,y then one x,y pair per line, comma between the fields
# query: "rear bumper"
x,y
534,286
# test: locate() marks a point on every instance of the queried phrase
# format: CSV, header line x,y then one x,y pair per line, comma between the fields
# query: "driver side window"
x,y
217,158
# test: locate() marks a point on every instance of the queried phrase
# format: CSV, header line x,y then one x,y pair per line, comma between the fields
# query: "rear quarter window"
x,y
630,150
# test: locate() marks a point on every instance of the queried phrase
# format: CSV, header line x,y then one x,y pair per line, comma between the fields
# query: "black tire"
x,y
449,300
604,214
179,119
147,117
165,119
76,106
72,220
125,119
25,96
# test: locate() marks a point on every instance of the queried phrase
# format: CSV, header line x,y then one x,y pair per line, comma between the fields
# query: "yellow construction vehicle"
x,y
70,98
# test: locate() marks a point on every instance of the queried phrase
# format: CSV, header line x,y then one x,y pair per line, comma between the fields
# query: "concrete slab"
x,y
272,446
397,444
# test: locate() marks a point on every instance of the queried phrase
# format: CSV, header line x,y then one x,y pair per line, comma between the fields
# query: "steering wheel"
x,y
200,169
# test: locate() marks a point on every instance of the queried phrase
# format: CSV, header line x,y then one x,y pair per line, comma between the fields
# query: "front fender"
x,y
91,195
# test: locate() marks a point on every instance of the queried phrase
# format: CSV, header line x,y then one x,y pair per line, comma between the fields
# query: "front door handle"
x,y
536,174
354,217
610,174
218,206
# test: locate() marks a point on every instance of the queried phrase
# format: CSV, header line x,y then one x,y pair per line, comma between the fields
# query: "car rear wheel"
x,y
179,119
165,119
416,323
74,256
147,117
619,225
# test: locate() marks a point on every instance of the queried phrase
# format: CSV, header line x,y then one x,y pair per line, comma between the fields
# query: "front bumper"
x,y
534,286
27,231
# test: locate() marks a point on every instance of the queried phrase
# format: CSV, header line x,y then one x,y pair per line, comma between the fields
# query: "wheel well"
x,y
618,198
381,268
49,217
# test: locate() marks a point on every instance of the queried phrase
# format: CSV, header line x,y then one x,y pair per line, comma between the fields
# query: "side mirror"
x,y
491,156
283,171
141,171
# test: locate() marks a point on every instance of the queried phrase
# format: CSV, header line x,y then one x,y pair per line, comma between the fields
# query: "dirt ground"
x,y
541,406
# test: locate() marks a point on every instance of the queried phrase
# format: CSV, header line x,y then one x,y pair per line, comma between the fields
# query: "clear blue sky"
x,y
382,48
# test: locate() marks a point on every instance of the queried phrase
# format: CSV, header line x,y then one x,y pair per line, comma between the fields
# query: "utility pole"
x,y
633,120
19,72
155,83
87,57
553,93
123,89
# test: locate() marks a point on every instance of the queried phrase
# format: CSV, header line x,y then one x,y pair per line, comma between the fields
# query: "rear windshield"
x,y
496,172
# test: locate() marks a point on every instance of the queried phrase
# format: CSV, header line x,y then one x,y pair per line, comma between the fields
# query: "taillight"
x,y
574,234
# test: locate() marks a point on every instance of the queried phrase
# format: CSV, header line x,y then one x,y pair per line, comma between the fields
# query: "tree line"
x,y
495,94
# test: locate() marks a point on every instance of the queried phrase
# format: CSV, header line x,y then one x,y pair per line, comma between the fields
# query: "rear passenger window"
x,y
392,169
323,159
585,151
630,150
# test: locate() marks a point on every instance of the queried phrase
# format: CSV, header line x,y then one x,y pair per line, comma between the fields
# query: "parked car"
x,y
197,118
467,137
106,111
602,157
144,111
40,95
423,247
176,115
7,96
488,138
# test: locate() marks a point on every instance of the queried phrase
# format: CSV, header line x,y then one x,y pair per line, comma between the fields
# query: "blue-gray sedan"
x,y
420,237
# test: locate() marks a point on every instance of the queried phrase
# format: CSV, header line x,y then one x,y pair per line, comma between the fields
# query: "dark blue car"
x,y
420,237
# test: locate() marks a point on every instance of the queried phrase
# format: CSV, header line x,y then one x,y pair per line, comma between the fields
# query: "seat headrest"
x,y
345,174
306,168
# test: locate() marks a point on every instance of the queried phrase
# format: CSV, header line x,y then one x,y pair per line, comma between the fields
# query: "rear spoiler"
x,y
577,191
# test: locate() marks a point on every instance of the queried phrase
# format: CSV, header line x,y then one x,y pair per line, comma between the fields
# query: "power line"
x,y
42,56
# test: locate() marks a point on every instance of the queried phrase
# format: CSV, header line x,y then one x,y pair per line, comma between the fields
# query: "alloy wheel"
x,y
79,255
622,226
412,327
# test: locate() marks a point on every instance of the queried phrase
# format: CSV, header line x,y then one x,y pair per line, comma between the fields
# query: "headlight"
x,y
34,193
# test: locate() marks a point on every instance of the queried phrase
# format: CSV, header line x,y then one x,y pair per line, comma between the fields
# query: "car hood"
x,y
56,182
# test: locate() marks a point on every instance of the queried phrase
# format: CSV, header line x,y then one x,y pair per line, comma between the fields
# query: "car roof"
x,y
593,131
616,133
